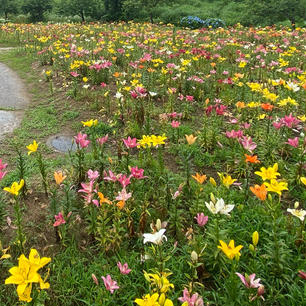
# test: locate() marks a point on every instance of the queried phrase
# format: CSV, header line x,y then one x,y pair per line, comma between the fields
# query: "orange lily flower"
x,y
260,191
103,199
59,177
267,106
191,139
251,159
120,204
200,178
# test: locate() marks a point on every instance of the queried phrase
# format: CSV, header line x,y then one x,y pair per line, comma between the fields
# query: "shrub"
x,y
194,22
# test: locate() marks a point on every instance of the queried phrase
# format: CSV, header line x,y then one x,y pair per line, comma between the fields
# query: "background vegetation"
x,y
247,12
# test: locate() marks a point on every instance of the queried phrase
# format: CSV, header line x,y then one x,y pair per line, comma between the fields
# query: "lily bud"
x,y
194,256
261,290
158,224
94,278
251,248
212,198
296,205
255,238
212,181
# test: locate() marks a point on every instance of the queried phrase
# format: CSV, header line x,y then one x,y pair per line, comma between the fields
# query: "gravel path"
x,y
13,99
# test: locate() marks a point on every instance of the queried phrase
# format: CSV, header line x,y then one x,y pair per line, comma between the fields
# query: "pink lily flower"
x,y
175,124
124,269
102,140
137,173
92,175
124,180
81,140
194,300
59,219
88,189
249,281
130,142
123,195
111,177
302,274
201,219
247,143
294,142
2,166
2,174
290,121
110,284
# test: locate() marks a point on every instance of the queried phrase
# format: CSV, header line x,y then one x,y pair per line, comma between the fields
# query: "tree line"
x,y
247,12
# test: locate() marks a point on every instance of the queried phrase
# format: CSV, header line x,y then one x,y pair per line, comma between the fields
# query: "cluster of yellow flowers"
x,y
271,174
153,140
26,273
161,285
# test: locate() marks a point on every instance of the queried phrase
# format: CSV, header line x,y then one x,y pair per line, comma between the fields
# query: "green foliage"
x,y
36,9
8,7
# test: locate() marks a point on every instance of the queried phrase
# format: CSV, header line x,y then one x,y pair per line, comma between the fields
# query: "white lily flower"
x,y
118,95
219,207
155,238
299,213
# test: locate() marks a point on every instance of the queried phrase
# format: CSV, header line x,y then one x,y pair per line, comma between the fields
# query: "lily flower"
x,y
110,284
230,250
249,280
219,207
124,269
155,238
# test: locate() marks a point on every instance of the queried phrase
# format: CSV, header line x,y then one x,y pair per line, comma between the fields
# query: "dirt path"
x,y
13,99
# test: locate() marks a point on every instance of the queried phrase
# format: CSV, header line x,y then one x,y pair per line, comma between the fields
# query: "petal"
x,y
15,279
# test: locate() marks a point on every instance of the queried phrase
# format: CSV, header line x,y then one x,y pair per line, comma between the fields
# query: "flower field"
x,y
187,185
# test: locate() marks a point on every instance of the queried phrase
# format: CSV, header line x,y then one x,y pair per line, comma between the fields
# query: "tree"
x,y
113,9
36,8
133,7
8,7
82,8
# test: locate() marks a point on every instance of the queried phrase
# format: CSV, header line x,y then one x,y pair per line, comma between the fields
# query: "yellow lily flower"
x,y
275,186
268,174
14,189
148,300
230,250
32,147
303,180
90,123
226,180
